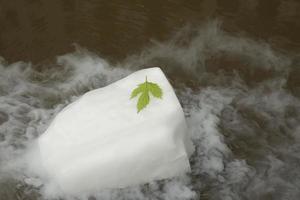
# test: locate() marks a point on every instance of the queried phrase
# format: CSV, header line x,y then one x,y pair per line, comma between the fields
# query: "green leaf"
x,y
155,90
144,89
137,90
143,101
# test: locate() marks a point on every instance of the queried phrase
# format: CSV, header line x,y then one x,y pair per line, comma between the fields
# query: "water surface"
x,y
235,66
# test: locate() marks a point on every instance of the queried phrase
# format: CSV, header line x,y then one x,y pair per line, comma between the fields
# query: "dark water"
x,y
235,66
37,30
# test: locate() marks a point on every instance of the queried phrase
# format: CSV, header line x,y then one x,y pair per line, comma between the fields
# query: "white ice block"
x,y
100,141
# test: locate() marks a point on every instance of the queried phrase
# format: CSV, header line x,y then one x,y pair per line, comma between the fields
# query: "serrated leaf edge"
x,y
136,92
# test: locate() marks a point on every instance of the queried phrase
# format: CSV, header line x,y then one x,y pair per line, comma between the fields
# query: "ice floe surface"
x,y
100,141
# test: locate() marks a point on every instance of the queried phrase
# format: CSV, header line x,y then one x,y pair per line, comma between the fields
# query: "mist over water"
x,y
240,98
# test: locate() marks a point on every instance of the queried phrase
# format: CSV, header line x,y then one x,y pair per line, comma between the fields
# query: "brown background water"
x,y
260,126
38,30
